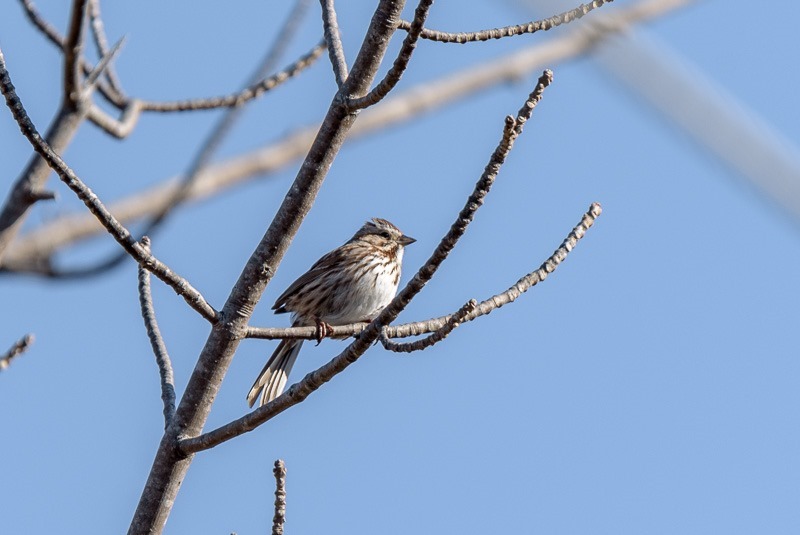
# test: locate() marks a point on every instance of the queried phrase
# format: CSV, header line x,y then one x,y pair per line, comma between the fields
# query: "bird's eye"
x,y
385,234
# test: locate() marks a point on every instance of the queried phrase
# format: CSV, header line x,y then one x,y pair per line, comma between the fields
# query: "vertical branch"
x,y
334,41
280,497
156,341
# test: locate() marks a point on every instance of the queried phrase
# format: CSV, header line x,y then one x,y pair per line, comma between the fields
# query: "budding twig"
x,y
280,497
180,285
506,31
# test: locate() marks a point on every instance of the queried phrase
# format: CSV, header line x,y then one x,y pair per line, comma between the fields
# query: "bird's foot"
x,y
323,330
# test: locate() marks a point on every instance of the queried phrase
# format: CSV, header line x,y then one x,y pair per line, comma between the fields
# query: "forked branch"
x,y
206,150
311,382
92,202
400,64
124,103
434,338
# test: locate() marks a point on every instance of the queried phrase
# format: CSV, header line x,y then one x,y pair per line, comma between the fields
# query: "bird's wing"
x,y
320,267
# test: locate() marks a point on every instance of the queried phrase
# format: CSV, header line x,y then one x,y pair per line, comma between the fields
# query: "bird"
x,y
350,284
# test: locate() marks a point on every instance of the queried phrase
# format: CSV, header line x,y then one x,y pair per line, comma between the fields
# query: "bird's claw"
x,y
323,330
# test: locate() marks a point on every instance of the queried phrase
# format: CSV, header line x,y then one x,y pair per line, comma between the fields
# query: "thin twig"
x,y
507,31
400,63
236,99
20,347
33,252
280,497
511,294
156,341
101,42
119,232
312,381
437,336
334,41
101,68
47,29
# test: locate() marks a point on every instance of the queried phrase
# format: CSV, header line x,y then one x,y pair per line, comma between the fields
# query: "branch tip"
x,y
19,347
278,520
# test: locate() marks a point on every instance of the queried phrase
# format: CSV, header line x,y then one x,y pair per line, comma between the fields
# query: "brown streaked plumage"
x,y
350,284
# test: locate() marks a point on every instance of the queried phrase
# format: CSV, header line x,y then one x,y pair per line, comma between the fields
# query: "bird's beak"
x,y
406,240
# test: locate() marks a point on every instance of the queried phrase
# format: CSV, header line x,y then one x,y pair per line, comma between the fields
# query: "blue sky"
x,y
648,386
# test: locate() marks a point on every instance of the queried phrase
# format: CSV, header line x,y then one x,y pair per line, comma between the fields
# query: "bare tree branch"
x,y
119,128
20,347
311,382
119,232
101,68
522,285
26,190
206,150
400,64
334,41
435,325
280,497
437,336
507,31
54,37
171,464
254,91
74,106
31,253
29,186
47,29
101,42
236,99
156,341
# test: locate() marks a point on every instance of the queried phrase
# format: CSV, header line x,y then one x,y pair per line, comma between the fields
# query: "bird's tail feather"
x,y
272,379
